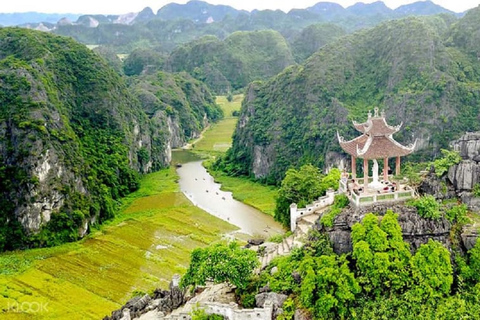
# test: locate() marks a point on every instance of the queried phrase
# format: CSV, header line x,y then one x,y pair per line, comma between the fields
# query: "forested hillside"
x,y
73,137
234,62
176,24
422,71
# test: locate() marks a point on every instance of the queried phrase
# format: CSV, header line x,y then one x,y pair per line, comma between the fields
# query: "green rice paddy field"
x,y
218,138
147,243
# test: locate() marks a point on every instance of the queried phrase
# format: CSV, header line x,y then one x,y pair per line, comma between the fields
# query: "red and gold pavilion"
x,y
376,142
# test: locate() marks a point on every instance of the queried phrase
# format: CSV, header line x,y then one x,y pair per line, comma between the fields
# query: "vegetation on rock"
x,y
74,137
380,279
407,67
302,187
234,62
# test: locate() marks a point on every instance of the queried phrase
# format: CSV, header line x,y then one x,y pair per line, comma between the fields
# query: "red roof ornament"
x,y
376,142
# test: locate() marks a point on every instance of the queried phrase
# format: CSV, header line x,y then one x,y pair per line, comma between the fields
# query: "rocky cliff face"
x,y
461,179
465,175
73,136
416,230
395,66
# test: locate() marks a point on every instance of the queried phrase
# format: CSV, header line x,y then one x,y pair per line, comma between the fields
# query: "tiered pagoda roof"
x,y
376,142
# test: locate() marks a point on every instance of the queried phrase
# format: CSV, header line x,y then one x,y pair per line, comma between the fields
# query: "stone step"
x,y
302,229
310,219
280,250
288,242
297,244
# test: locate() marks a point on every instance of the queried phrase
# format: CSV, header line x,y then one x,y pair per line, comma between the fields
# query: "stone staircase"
x,y
296,239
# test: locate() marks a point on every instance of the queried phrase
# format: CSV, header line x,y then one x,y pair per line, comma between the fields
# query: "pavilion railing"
x,y
361,199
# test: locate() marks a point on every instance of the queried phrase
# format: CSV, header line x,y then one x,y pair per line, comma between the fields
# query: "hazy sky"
x,y
125,6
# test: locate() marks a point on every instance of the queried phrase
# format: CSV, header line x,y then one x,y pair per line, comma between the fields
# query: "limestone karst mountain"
x,y
410,68
73,136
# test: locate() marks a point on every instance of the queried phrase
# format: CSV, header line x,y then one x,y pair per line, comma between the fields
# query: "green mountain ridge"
x,y
408,67
73,136
176,24
233,63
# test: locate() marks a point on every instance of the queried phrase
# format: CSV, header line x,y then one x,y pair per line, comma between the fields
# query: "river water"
x,y
199,186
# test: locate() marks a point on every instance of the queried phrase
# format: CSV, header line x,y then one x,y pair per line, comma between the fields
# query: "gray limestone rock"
x,y
468,145
464,175
273,299
277,299
161,301
415,229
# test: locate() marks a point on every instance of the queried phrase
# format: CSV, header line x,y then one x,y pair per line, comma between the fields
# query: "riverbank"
x,y
149,241
215,141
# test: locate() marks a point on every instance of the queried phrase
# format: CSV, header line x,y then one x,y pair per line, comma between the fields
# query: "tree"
x,y
220,263
328,286
432,270
302,187
382,257
450,158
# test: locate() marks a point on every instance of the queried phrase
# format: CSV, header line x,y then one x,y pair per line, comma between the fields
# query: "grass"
x,y
218,138
253,193
149,241
229,107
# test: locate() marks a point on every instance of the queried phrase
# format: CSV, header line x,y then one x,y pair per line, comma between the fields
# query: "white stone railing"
x,y
230,312
322,202
367,198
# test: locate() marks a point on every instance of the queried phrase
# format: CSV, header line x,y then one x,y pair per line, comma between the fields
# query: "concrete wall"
x,y
230,312
322,202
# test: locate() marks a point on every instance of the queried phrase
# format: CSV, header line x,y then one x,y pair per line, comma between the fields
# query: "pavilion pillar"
x,y
365,174
397,166
354,167
385,169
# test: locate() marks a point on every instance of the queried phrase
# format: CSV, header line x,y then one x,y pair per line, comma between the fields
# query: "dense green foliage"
x,y
312,38
382,258
234,62
73,137
143,60
449,159
427,207
220,263
340,202
302,187
381,279
178,96
407,67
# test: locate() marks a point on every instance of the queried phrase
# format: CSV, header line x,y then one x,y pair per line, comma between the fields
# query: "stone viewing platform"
x,y
390,192
375,143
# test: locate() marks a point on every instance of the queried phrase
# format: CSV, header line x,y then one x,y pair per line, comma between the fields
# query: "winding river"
x,y
199,186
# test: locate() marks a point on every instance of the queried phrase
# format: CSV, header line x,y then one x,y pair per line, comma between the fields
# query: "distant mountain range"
x,y
203,12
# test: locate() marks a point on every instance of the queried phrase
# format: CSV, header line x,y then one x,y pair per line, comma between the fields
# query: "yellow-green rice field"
x,y
140,250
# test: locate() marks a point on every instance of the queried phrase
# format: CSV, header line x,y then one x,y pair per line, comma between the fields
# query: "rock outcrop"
x,y
161,302
415,229
461,179
465,175
74,134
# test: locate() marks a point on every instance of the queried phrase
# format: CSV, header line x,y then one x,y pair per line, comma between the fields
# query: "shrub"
x,y
427,207
457,213
450,158
220,263
476,190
